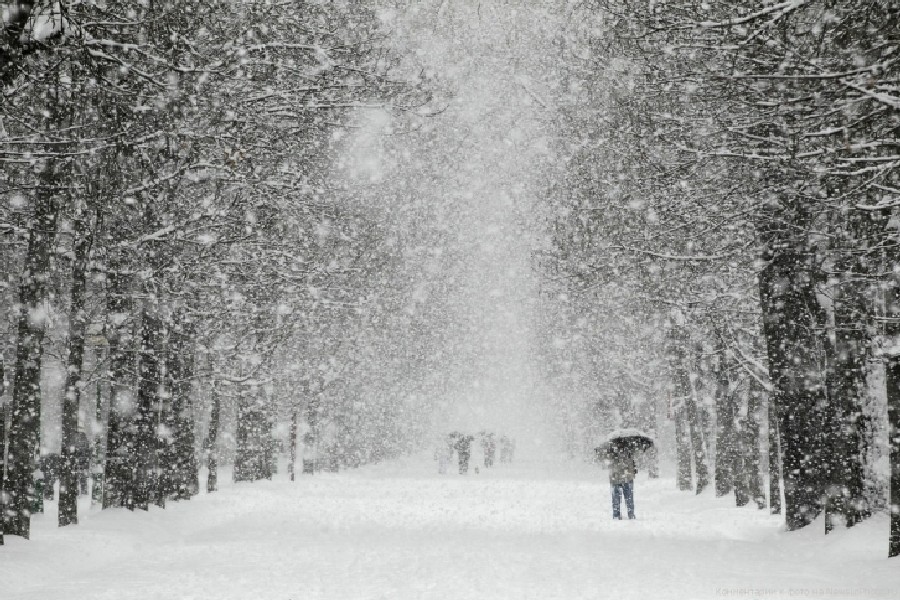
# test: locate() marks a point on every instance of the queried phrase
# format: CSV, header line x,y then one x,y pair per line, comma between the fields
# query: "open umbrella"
x,y
627,438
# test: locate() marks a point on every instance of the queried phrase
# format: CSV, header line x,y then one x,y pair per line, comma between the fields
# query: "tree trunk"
x,y
789,307
739,466
681,382
751,449
892,381
145,445
212,440
117,473
98,460
892,376
696,420
245,440
653,463
726,438
682,450
17,490
849,393
698,448
774,459
293,443
69,459
183,461
3,413
253,454
831,427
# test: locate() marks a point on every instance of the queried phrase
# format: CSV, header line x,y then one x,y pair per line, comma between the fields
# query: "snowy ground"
x,y
398,531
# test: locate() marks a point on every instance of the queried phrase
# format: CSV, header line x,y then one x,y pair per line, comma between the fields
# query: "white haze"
x,y
465,173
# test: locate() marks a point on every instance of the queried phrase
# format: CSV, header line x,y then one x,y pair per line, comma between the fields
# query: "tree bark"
x,y
182,465
848,393
774,460
696,421
117,473
892,384
212,440
98,460
145,445
751,447
69,460
789,305
681,382
682,450
17,490
293,443
698,447
245,456
726,438
893,409
653,463
3,416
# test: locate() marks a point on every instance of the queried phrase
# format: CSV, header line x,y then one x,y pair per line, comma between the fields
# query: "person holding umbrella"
x,y
463,448
620,451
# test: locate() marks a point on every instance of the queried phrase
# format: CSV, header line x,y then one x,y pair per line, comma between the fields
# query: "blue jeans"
x,y
627,490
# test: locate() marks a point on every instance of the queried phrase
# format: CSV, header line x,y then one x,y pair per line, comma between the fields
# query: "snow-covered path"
x,y
532,530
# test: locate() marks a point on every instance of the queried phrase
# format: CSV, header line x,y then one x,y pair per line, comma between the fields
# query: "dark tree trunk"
x,y
293,444
698,447
739,467
682,450
162,442
245,440
751,447
18,489
182,465
681,382
145,444
186,443
253,453
117,474
726,438
774,459
3,416
696,419
893,395
653,463
170,469
212,440
69,452
831,427
268,446
848,393
741,490
789,307
98,460
892,381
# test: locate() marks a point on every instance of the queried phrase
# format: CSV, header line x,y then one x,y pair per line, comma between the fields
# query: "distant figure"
x,y
464,450
622,469
490,450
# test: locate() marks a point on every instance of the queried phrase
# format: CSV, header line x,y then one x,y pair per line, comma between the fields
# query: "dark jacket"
x,y
464,445
620,462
